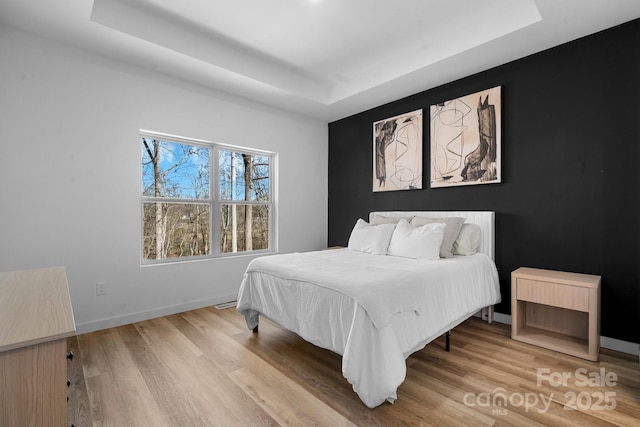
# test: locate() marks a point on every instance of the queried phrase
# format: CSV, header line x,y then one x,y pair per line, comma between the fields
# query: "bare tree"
x,y
247,159
160,223
172,222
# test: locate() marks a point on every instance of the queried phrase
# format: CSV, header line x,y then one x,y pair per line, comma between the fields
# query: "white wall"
x,y
70,176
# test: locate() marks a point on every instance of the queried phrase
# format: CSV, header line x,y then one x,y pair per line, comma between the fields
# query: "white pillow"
x,y
468,240
451,231
417,242
372,239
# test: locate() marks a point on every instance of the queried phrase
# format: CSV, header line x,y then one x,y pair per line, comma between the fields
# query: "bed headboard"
x,y
485,219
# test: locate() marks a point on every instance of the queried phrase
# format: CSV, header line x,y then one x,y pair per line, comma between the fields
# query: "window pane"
x,y
243,176
244,227
171,169
172,230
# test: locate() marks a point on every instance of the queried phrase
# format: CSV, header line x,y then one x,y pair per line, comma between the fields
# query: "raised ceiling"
x,y
326,59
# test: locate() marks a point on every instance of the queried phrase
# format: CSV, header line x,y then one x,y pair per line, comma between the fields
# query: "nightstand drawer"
x,y
557,295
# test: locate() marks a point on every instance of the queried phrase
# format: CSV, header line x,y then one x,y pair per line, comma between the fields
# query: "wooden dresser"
x,y
35,320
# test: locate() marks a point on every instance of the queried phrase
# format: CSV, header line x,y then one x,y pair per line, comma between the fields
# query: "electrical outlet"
x,y
101,288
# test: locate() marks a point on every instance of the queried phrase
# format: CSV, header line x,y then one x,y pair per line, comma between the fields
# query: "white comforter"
x,y
373,310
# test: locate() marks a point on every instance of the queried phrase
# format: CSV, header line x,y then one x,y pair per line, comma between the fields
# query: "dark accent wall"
x,y
570,191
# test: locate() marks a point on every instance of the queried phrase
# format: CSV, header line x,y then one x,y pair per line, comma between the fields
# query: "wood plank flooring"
x,y
205,368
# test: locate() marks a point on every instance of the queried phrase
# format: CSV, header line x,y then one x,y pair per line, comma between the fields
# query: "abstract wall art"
x,y
397,152
466,140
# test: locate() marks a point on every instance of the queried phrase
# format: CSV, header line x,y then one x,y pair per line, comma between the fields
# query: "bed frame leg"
x,y
255,330
447,337
487,314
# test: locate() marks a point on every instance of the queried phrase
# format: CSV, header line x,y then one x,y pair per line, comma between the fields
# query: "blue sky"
x,y
186,171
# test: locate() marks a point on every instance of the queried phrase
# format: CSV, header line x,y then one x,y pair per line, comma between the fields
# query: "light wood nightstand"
x,y
556,310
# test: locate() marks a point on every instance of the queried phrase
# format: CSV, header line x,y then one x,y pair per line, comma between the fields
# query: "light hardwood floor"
x,y
204,368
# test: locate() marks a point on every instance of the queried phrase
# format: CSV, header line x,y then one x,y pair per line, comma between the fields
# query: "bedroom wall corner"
x,y
570,194
70,176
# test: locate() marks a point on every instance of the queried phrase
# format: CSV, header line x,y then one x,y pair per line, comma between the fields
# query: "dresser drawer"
x,y
553,294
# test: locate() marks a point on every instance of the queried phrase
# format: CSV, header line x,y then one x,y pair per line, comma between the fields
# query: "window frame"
x,y
214,201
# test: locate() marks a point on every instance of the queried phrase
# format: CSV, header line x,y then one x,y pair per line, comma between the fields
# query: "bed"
x,y
374,304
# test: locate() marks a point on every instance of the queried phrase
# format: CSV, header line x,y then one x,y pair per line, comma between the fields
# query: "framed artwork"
x,y
466,140
397,152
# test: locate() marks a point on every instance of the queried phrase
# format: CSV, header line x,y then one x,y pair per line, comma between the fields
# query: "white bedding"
x,y
328,303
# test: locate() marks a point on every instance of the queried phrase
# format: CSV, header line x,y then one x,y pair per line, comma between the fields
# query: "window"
x,y
183,218
244,201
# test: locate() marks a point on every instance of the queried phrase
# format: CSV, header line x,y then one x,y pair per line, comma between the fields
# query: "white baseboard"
x,y
112,322
619,345
605,342
502,318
